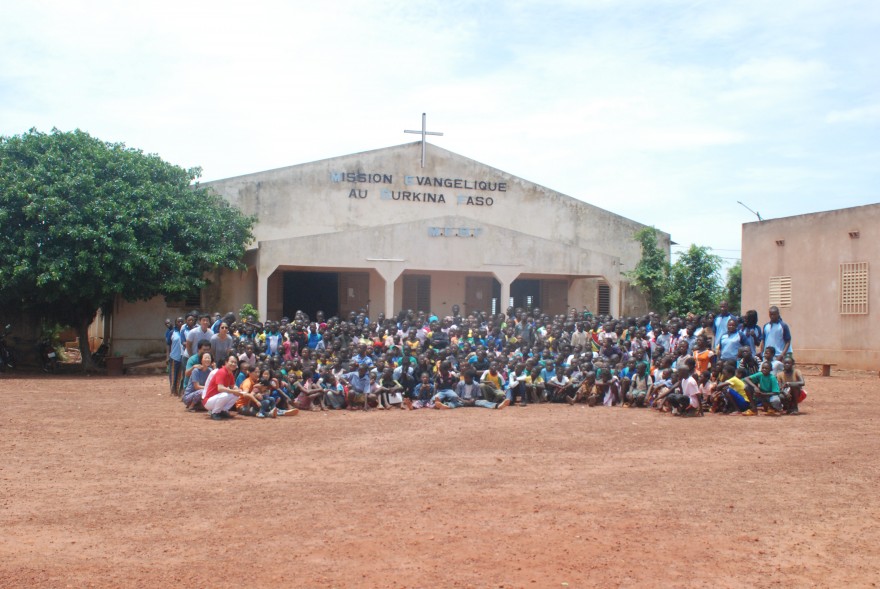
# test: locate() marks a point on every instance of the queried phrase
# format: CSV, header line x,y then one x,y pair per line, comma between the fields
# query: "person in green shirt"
x,y
767,389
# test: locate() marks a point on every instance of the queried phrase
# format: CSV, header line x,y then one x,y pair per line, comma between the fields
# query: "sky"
x,y
668,112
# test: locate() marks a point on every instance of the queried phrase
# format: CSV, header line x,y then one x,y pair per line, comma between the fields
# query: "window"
x,y
604,306
417,292
854,288
192,300
780,291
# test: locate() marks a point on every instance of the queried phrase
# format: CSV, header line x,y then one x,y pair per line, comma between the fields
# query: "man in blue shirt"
x,y
777,334
175,359
721,320
359,387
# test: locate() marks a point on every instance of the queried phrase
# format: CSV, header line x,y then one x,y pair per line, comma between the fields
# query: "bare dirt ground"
x,y
108,482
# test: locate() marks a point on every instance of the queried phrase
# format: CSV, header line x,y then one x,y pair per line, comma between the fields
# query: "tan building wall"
x,y
809,250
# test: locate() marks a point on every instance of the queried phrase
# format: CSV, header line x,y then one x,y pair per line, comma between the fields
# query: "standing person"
x,y
188,325
273,339
579,337
203,331
777,334
221,342
702,354
169,329
752,335
729,343
721,320
175,359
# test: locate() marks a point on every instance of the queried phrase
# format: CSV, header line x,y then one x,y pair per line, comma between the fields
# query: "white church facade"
x,y
380,232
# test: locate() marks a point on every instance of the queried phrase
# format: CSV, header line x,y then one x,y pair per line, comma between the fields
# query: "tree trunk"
x,y
82,332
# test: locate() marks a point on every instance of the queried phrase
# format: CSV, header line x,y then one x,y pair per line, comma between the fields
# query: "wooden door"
x,y
354,292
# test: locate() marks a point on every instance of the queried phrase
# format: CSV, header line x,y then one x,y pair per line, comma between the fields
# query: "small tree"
x,y
694,281
248,310
733,288
85,221
651,274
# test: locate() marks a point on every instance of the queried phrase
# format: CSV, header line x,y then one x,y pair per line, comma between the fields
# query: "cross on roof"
x,y
423,133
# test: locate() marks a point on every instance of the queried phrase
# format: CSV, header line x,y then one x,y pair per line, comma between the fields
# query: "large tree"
x,y
651,274
84,221
733,288
694,281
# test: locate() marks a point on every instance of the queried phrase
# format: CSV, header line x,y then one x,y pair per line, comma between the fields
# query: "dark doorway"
x,y
311,292
526,293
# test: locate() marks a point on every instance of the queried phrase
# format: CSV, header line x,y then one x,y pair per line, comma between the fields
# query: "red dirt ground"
x,y
108,482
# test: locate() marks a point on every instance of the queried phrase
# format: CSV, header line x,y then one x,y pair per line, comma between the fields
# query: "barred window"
x,y
780,291
192,300
604,303
854,288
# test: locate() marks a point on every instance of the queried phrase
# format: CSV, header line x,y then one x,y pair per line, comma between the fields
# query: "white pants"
x,y
221,402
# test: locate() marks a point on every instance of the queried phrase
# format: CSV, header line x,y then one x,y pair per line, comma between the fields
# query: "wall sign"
x,y
421,189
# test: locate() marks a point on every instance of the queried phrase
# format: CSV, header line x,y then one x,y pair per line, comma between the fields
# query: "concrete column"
x,y
389,297
505,295
389,272
614,296
505,276
263,292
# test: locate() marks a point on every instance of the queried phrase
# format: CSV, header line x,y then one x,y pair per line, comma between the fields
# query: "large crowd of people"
x,y
681,365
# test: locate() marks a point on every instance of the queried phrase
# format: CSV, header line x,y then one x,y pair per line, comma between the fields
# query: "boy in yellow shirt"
x,y
736,391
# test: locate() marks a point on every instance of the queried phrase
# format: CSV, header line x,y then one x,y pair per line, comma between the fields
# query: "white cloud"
x,y
862,114
651,108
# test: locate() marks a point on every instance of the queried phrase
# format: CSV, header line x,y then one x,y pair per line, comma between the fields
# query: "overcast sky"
x,y
664,111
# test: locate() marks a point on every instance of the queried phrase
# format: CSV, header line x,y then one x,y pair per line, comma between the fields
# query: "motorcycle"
x,y
7,354
48,356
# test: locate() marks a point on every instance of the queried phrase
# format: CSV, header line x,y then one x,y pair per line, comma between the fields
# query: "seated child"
x,y
422,394
309,394
685,399
734,389
640,382
608,388
767,393
388,390
334,392
792,382
661,388
559,388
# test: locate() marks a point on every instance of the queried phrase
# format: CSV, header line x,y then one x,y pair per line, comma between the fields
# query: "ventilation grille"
x,y
780,291
854,288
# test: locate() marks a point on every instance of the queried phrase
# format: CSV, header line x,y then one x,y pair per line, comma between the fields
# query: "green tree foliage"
x,y
651,274
85,221
248,310
733,288
694,281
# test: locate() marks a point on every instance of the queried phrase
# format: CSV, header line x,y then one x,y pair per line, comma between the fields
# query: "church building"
x,y
407,227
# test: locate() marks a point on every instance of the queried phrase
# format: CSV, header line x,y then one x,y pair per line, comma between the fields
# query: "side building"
x,y
377,231
817,269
